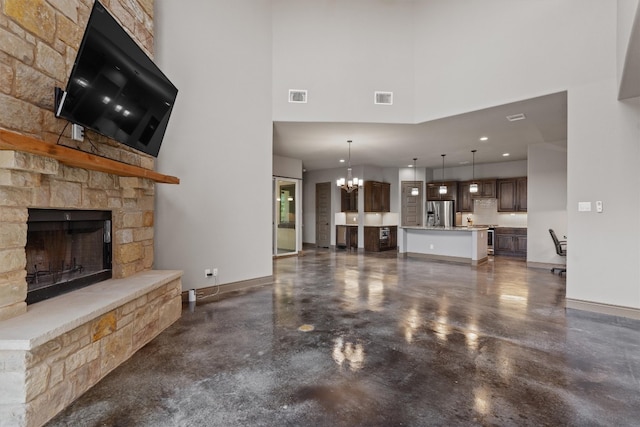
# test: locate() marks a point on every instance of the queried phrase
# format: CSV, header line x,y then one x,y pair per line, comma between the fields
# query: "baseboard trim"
x,y
229,287
443,258
544,265
610,309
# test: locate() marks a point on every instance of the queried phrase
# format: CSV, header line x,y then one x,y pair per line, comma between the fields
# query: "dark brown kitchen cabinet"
x,y
377,196
510,242
486,190
512,194
378,239
349,201
347,236
465,202
433,191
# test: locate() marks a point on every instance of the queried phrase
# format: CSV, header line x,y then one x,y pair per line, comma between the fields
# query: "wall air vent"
x,y
516,117
383,98
298,96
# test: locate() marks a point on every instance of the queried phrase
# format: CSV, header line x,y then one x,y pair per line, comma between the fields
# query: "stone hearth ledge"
x,y
49,319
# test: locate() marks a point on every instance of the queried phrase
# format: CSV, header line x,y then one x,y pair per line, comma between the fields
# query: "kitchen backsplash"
x,y
485,211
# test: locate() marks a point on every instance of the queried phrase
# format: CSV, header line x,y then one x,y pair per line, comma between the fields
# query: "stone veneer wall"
x,y
37,383
38,44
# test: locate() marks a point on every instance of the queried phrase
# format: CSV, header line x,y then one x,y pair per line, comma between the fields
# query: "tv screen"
x,y
115,88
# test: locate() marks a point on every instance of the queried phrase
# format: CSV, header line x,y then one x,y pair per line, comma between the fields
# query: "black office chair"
x,y
561,249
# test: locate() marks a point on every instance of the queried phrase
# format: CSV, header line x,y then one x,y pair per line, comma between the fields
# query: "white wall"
x,y
341,52
546,200
475,54
287,167
218,54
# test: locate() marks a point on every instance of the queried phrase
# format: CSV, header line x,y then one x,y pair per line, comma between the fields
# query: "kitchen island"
x,y
467,245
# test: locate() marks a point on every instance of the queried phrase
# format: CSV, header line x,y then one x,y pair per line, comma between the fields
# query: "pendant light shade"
x,y
350,183
473,188
443,188
415,191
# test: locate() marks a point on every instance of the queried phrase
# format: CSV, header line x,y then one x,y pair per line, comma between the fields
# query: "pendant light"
x,y
351,183
443,188
473,188
415,191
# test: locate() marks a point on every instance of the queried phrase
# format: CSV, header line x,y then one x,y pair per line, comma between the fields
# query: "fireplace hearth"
x,y
66,250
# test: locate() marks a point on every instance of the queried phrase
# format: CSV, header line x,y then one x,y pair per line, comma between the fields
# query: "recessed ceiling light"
x,y
341,160
484,138
410,166
464,162
516,117
505,154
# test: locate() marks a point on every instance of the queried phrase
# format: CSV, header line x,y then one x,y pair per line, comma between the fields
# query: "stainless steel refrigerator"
x,y
440,213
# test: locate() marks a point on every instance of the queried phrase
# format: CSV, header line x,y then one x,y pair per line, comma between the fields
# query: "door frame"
x,y
298,215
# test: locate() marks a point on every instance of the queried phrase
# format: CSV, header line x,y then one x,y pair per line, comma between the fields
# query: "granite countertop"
x,y
457,228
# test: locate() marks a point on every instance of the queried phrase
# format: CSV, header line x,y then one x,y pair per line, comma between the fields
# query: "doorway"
x,y
323,214
411,211
287,209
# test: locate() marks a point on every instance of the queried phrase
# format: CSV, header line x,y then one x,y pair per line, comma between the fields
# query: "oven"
x,y
490,239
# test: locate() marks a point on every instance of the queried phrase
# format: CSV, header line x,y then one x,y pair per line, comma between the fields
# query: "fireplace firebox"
x,y
66,250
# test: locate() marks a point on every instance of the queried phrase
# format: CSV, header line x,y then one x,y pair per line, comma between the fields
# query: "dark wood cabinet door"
x,y
393,237
349,201
506,195
465,201
385,197
512,195
487,188
503,244
521,184
520,245
433,191
377,196
372,239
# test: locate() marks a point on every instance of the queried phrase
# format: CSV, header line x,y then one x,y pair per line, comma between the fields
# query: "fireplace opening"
x,y
66,250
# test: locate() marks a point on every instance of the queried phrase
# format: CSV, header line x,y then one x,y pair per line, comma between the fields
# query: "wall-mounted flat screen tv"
x,y
115,89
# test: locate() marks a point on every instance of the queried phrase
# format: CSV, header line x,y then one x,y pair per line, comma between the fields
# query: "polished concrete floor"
x,y
343,339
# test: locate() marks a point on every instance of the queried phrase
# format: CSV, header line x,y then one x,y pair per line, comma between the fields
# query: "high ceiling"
x,y
322,145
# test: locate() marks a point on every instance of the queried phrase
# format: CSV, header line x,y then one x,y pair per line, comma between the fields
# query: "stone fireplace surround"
x,y
54,350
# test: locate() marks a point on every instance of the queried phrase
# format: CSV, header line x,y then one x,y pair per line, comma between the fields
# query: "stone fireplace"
x,y
54,350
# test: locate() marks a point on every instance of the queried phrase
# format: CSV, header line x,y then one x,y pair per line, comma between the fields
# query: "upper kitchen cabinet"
x,y
349,201
377,196
512,194
486,190
433,191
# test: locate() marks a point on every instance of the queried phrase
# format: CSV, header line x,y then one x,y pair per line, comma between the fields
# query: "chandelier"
x,y
350,183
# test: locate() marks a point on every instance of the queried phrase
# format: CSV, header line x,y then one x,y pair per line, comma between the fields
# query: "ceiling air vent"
x,y
383,98
298,96
516,117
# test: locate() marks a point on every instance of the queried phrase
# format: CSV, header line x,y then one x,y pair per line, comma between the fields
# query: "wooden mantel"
x,y
15,141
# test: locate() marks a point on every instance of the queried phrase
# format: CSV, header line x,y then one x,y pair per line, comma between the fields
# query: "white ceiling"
x,y
322,145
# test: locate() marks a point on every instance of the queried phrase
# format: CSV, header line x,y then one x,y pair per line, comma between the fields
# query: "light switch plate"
x,y
599,206
584,206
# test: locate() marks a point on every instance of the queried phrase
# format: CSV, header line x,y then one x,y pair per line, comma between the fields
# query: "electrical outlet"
x,y
77,132
215,272
207,272
431,246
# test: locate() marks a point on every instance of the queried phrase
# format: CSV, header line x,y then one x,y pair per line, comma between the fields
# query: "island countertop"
x,y
457,228
455,244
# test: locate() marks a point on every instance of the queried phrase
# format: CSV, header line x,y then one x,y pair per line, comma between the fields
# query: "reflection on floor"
x,y
345,339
